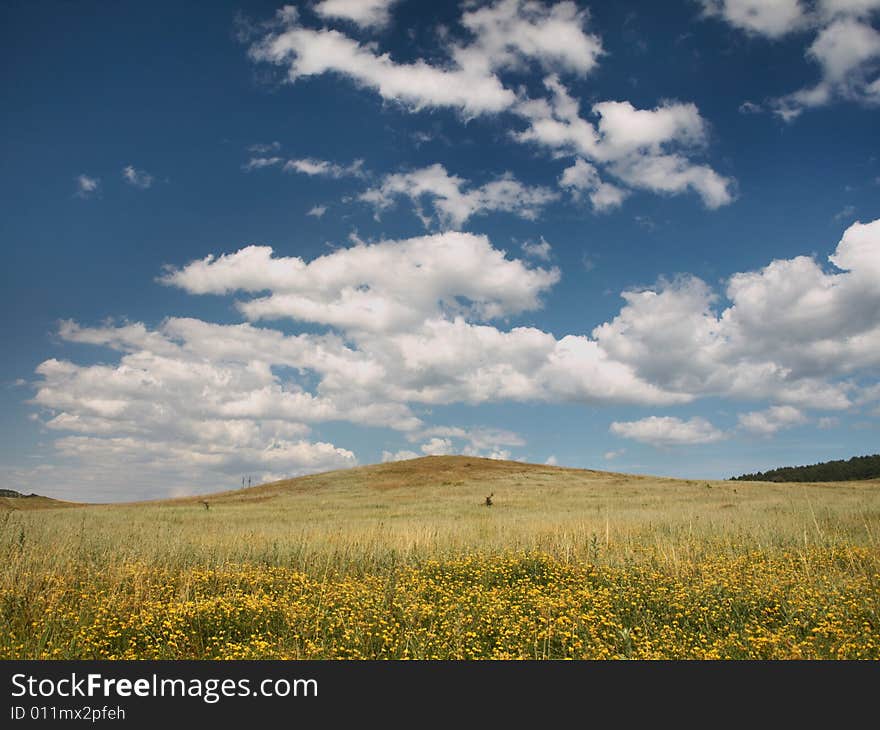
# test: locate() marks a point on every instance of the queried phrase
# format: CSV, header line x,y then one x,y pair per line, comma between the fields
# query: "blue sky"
x,y
255,240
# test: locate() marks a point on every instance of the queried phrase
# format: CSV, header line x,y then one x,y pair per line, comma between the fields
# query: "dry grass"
x,y
381,549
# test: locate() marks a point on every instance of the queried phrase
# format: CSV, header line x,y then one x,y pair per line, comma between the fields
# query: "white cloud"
x,y
323,168
259,163
668,431
855,8
87,186
847,52
642,148
611,455
551,460
768,422
392,285
649,149
537,250
582,177
364,13
481,441
317,211
845,46
772,18
790,332
506,35
192,404
436,447
511,32
137,178
417,321
305,52
402,455
453,202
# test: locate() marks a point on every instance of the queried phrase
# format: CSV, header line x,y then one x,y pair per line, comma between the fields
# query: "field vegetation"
x,y
405,561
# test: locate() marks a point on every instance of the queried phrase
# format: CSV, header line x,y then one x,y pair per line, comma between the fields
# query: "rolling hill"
x,y
12,500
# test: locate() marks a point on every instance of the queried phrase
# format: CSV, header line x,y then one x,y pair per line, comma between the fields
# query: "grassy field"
x,y
404,560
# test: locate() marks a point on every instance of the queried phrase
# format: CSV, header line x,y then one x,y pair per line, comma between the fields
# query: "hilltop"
x,y
428,474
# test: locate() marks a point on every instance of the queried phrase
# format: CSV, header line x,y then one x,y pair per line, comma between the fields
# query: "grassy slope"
x,y
433,506
403,560
33,503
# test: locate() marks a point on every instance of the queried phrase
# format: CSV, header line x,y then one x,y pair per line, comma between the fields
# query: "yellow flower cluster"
x,y
818,603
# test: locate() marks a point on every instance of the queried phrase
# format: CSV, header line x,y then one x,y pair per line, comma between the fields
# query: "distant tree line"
x,y
859,467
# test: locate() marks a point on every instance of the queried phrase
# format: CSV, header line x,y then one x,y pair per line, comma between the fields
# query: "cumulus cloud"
x,y
420,322
505,35
364,13
86,186
650,149
317,211
768,422
509,33
195,403
773,19
668,431
583,178
792,332
847,52
482,441
845,46
402,455
391,285
452,201
137,178
305,52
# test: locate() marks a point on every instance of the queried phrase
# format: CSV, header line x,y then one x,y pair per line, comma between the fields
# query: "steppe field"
x,y
406,561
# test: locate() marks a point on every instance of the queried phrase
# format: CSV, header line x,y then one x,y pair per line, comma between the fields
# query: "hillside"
x,y
856,468
405,560
430,475
12,500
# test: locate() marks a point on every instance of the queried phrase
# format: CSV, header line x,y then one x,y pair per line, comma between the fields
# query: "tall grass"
x,y
563,564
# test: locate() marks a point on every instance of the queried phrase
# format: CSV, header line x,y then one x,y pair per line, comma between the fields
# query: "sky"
x,y
253,240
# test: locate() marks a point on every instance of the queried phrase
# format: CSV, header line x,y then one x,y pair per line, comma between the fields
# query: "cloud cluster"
x,y
386,286
420,322
845,46
650,149
454,203
443,440
647,149
792,332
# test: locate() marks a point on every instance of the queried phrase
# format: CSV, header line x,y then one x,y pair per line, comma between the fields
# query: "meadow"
x,y
405,561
